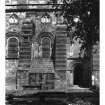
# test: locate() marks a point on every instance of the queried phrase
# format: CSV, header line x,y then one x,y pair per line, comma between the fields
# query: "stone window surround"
x,y
50,43
8,45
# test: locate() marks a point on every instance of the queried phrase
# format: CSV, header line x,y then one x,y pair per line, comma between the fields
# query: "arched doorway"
x,y
78,75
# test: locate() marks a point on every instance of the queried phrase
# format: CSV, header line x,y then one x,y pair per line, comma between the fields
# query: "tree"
x,y
84,16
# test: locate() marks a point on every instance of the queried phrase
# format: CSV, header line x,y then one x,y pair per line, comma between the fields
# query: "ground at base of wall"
x,y
54,97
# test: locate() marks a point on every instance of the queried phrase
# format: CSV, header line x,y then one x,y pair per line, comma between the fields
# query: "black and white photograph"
x,y
52,52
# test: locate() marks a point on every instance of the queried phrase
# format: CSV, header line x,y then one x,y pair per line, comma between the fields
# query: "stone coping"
x,y
36,91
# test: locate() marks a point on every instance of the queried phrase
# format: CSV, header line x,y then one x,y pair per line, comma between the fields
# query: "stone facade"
x,y
42,55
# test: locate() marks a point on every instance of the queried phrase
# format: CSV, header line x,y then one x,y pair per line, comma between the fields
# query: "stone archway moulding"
x,y
17,35
46,34
74,64
10,34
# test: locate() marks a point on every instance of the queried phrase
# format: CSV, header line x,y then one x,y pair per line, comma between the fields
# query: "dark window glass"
x,y
12,48
46,48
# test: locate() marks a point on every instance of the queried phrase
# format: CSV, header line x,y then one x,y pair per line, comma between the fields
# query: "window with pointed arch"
x,y
12,47
46,45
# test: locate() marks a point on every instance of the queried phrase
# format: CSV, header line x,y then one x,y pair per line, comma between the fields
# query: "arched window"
x,y
13,47
46,43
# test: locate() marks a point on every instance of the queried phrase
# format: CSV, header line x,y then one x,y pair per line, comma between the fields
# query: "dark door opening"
x,y
78,75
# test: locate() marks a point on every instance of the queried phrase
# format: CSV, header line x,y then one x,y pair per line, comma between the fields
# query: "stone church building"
x,y
39,54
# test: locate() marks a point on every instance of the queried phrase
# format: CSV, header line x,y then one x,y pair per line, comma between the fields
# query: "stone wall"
x,y
32,46
11,68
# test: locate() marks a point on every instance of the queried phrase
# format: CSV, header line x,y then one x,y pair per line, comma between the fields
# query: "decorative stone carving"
x,y
35,50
